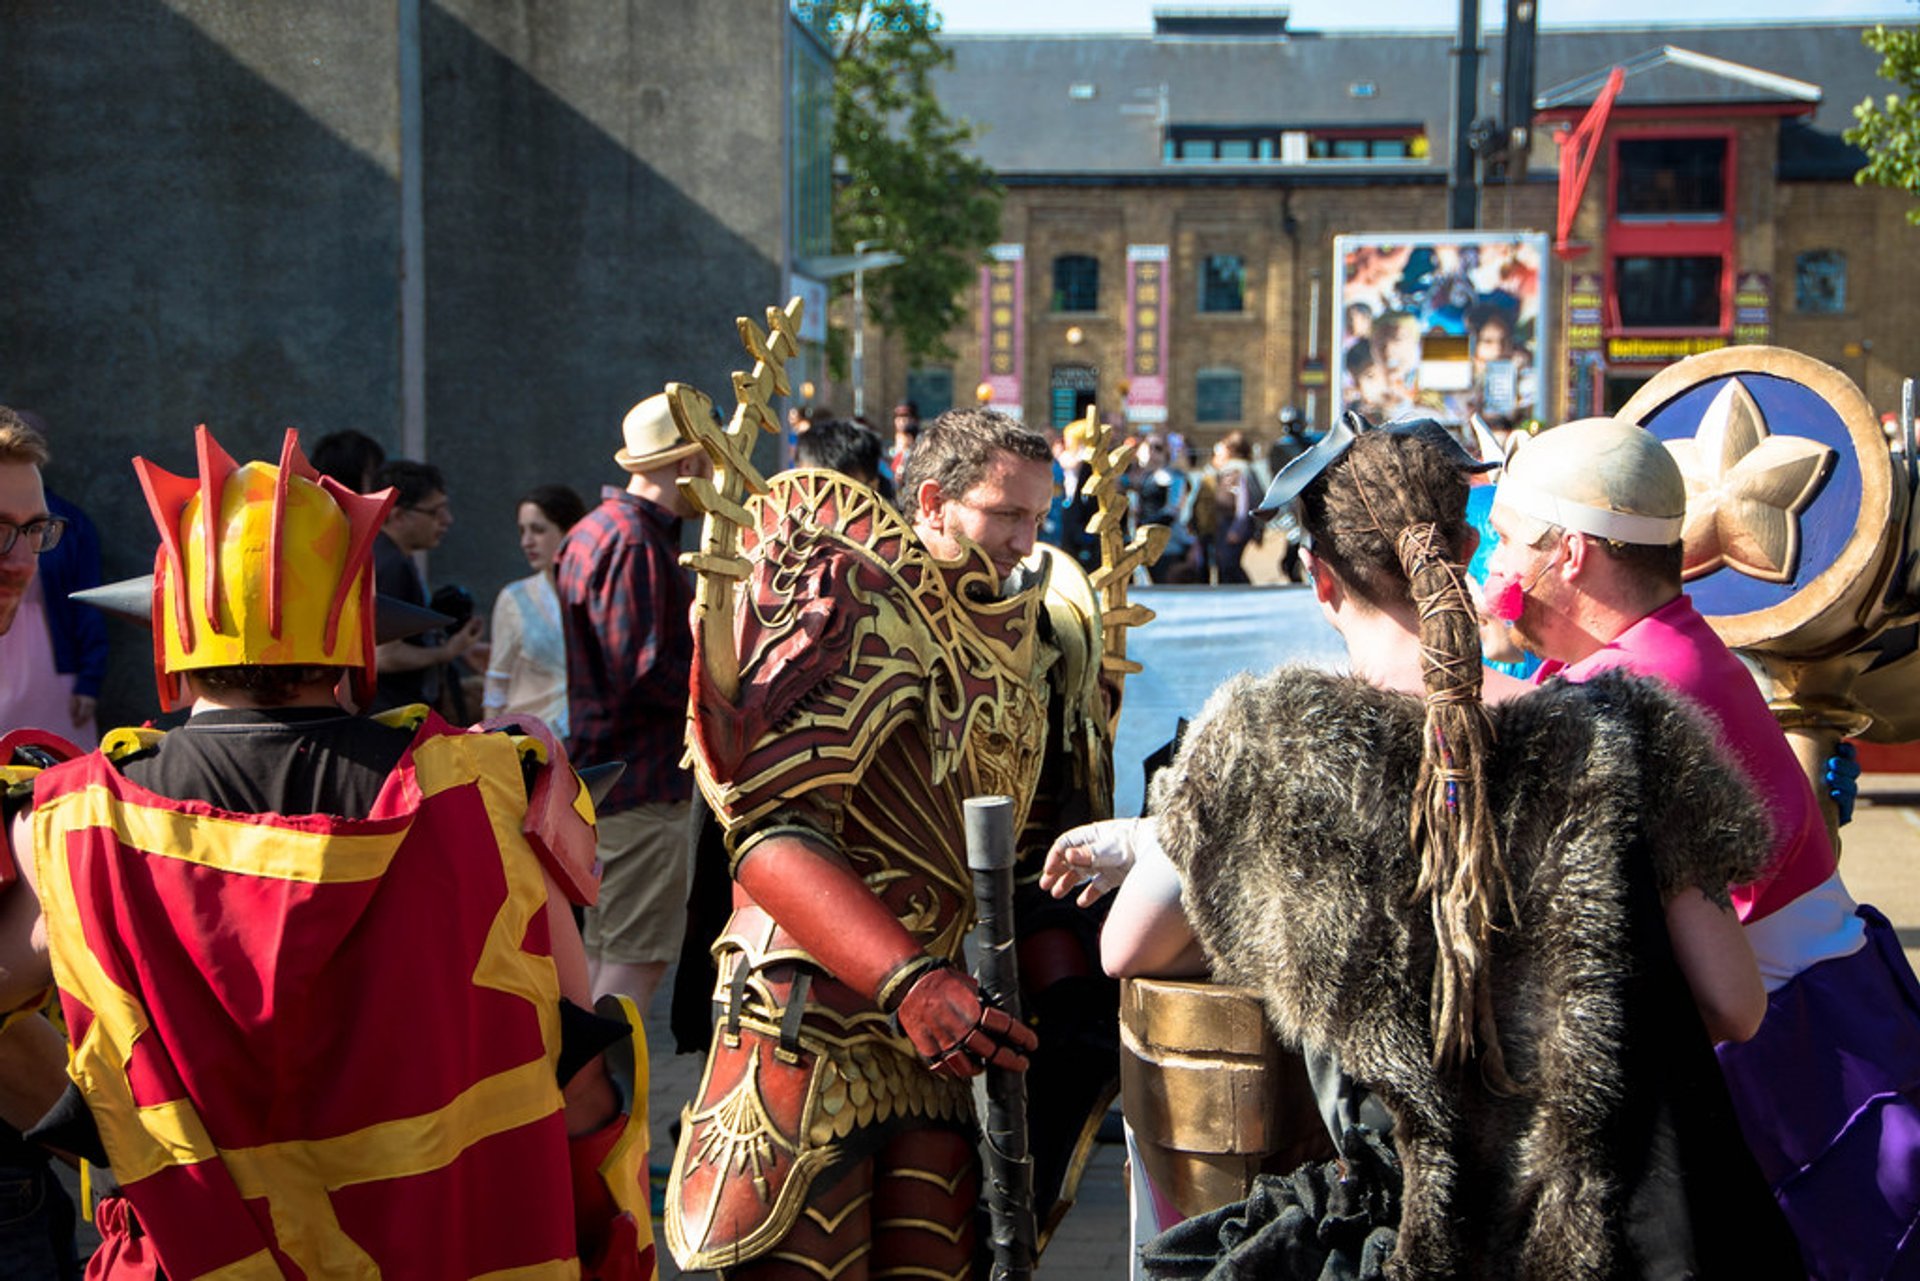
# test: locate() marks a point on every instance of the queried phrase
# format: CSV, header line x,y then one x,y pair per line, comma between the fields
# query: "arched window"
x,y
1076,283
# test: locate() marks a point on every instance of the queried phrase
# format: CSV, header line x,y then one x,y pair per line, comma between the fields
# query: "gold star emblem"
x,y
1746,488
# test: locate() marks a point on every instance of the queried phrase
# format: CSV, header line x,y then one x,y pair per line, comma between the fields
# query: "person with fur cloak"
x,y
1500,934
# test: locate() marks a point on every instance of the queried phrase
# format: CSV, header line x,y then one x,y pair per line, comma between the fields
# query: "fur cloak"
x,y
1286,813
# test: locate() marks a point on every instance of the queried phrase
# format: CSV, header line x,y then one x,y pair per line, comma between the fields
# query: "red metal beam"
x,y
1578,150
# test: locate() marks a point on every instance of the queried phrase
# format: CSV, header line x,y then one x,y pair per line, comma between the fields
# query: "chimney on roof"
x,y
1223,22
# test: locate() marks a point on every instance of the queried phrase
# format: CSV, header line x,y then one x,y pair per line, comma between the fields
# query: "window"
x,y
1820,282
1670,230
1217,396
1292,145
1076,283
930,390
1672,178
1397,146
1223,283
1668,293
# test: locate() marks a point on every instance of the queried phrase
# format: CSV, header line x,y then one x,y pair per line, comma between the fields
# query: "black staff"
x,y
1009,1167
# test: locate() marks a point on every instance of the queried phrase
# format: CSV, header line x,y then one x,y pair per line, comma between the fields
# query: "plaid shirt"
x,y
626,605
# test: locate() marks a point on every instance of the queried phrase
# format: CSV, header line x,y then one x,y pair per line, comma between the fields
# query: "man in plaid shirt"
x,y
625,601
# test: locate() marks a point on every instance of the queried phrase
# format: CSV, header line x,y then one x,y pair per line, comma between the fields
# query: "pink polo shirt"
x,y
1675,646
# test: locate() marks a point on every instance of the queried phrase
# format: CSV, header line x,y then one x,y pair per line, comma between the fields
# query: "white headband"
x,y
1601,522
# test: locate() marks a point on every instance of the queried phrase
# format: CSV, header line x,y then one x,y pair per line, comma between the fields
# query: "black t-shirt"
x,y
395,575
294,760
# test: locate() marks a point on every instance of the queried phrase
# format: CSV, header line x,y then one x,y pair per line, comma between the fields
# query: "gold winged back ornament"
x,y
722,501
1119,557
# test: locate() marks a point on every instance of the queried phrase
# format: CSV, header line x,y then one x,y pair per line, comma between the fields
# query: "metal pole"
x,y
1463,193
860,331
1312,407
989,827
413,239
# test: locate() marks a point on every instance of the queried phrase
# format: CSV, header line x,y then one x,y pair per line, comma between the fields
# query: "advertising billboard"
x,y
1442,325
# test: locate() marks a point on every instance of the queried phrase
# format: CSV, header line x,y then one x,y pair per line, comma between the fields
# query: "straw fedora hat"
x,y
652,439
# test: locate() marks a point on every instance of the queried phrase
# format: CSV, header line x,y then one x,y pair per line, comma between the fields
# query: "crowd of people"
x,y
359,947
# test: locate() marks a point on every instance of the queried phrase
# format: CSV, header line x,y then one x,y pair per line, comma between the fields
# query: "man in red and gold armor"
x,y
318,971
874,673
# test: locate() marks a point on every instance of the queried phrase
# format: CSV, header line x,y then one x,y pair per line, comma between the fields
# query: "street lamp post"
x,y
860,248
857,263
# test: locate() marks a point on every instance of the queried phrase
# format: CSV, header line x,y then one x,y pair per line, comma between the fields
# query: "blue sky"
x,y
1137,15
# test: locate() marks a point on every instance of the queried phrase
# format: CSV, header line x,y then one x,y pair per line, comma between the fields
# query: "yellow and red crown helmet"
x,y
260,565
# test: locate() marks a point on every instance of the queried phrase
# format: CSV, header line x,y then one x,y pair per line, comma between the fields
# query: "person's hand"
x,y
955,1031
80,708
463,640
1094,858
1843,779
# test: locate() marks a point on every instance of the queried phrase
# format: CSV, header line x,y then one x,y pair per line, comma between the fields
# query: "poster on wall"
x,y
1002,337
1147,333
1441,324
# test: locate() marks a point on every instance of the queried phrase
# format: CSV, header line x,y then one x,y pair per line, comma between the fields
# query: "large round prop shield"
x,y
1791,502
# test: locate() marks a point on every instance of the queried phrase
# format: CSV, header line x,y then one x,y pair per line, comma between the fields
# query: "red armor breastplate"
x,y
879,688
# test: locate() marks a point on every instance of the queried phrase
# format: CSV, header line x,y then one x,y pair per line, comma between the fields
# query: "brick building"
x,y
1189,184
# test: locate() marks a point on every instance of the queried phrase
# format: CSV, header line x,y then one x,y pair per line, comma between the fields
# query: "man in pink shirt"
x,y
1588,572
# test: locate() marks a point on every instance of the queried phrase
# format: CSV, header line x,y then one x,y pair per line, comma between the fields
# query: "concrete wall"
x,y
201,221
603,198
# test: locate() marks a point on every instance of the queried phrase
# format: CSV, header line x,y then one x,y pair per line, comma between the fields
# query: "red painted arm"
x,y
828,910
831,912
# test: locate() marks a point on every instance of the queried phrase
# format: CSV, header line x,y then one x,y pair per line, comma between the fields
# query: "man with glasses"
x,y
36,1242
27,528
411,669
53,662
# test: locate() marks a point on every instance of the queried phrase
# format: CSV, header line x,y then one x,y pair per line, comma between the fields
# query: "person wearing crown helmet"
x,y
321,981
1588,574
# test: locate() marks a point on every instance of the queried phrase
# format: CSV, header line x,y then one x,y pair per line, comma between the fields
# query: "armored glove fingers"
x,y
955,1031
1094,858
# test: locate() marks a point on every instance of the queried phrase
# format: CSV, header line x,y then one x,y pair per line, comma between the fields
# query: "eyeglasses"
x,y
435,510
41,534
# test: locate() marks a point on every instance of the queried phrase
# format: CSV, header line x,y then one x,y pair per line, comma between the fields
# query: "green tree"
x,y
1889,131
903,178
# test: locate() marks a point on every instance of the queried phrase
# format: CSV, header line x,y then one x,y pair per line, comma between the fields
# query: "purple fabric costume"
x,y
1828,1091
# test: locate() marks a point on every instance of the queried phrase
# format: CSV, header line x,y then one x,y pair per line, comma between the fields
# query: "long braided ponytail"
x,y
1389,518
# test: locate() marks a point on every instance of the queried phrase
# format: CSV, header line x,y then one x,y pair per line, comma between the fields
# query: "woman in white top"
x,y
527,669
